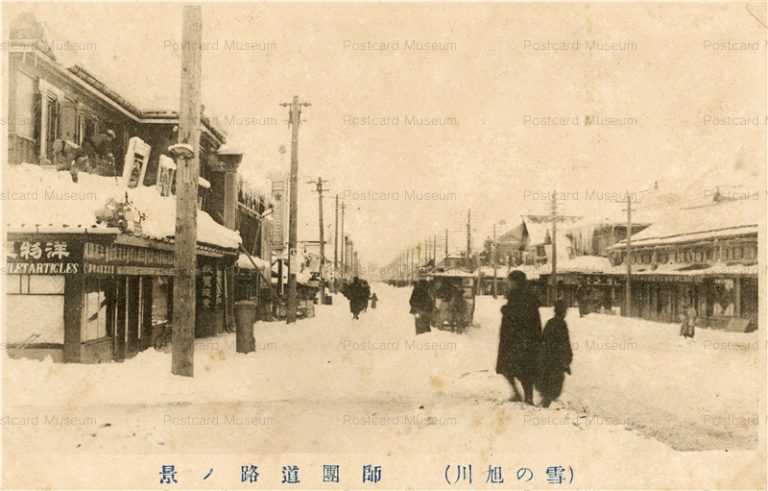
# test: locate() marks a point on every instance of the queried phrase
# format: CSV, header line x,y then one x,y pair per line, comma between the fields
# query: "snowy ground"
x,y
643,408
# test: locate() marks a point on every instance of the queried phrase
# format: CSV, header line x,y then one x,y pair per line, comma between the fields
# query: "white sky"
x,y
489,160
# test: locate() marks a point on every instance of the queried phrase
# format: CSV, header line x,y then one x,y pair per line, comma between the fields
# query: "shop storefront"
x,y
100,297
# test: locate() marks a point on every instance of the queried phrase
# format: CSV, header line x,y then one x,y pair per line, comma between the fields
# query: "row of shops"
x,y
89,216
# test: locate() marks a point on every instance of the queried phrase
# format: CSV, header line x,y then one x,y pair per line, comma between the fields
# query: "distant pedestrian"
x,y
582,297
688,321
555,357
422,305
353,292
519,337
374,299
365,294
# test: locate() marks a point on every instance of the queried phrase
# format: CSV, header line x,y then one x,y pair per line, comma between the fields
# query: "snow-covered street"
x,y
331,386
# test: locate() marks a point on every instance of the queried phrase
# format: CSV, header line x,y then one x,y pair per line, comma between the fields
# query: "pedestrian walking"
x,y
353,292
688,321
374,299
365,294
422,305
519,337
555,356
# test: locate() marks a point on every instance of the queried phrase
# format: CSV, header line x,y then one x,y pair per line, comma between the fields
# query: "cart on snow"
x,y
454,293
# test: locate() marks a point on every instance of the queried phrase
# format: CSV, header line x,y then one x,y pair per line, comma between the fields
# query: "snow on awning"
x,y
49,199
585,264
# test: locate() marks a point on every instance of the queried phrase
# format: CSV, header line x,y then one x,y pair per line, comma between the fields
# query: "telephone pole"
x,y
469,238
343,243
320,190
336,244
434,250
493,257
628,287
446,242
554,247
187,155
294,120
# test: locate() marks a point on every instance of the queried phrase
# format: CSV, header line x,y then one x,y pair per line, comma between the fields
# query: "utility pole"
x,y
434,249
446,243
187,155
295,121
343,243
554,247
336,244
493,258
320,190
469,238
628,287
410,266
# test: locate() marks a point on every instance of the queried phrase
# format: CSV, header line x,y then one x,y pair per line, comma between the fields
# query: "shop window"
x,y
99,308
35,285
34,309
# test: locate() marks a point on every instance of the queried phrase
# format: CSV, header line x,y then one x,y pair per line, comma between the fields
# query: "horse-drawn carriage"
x,y
454,293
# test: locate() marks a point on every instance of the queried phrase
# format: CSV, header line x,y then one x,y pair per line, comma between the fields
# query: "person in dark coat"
x,y
555,357
458,310
365,294
582,297
374,300
353,292
519,337
422,305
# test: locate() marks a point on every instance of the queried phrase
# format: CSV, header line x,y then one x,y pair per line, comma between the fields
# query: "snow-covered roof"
x,y
49,199
514,235
717,219
585,264
537,232
690,270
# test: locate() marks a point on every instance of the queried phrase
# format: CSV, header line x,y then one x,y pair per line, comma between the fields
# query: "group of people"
x,y
527,354
428,299
358,292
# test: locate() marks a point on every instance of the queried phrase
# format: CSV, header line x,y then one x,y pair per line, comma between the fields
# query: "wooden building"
x,y
705,256
89,263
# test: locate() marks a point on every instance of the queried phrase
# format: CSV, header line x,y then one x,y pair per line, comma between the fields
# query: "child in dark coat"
x,y
555,357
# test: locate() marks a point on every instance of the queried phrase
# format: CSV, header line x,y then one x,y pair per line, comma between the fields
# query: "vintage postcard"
x,y
383,246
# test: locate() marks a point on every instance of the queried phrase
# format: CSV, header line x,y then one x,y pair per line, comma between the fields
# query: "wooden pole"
x,y
336,245
295,121
554,247
320,190
628,288
469,238
187,152
343,244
